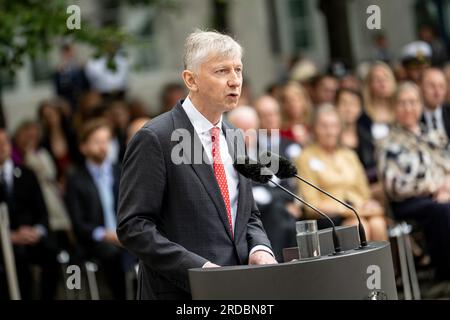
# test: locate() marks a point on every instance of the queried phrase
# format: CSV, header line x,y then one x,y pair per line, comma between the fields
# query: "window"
x,y
143,51
220,15
274,29
300,24
434,14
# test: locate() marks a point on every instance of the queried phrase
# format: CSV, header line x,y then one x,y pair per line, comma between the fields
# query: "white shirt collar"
x,y
437,112
198,120
8,171
8,167
96,169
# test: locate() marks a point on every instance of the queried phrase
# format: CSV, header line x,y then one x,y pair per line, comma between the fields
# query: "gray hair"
x,y
242,112
405,86
324,108
200,44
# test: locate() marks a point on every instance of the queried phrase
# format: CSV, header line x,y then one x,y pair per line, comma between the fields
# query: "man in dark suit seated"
x,y
189,208
30,236
91,199
436,114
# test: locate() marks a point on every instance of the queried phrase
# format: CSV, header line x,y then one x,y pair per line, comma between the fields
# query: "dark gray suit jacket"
x,y
445,119
84,204
173,217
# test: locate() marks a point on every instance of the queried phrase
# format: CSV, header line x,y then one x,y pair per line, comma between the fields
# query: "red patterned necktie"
x,y
219,172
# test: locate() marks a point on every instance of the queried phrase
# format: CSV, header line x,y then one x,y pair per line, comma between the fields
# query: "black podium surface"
x,y
356,274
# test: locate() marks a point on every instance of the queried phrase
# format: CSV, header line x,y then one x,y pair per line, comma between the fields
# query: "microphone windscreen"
x,y
285,167
251,170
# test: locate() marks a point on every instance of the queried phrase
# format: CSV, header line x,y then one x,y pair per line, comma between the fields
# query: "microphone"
x,y
287,170
255,171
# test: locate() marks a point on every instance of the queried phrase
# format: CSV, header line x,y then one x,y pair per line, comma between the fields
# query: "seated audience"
x,y
91,199
436,114
38,159
414,167
379,85
349,106
338,170
30,235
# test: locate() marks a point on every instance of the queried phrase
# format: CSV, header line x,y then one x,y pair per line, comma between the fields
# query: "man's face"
x,y
434,88
349,107
5,147
414,73
219,82
269,113
326,90
328,130
96,146
408,108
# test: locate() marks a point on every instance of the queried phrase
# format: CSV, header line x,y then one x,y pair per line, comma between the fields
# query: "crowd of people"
x,y
376,137
60,175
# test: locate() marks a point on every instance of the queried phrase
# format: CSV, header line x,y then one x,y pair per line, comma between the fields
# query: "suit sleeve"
x,y
39,208
74,201
141,196
256,235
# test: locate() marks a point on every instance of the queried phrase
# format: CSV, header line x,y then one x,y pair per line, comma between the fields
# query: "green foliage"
x,y
28,27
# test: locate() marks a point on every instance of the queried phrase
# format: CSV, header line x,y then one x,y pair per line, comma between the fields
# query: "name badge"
x,y
316,165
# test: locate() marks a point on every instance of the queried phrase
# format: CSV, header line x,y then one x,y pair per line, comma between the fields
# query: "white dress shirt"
x,y
104,79
437,113
8,173
202,127
107,200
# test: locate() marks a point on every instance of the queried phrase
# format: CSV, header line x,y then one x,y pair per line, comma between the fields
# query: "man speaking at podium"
x,y
176,216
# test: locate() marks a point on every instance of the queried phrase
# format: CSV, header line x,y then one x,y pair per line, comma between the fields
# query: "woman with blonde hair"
x,y
296,109
373,125
379,86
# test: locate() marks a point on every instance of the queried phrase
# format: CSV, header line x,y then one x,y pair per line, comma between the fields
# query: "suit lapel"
x,y
90,185
204,171
422,120
241,216
12,191
446,118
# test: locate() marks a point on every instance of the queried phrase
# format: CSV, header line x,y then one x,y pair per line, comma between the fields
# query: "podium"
x,y
356,274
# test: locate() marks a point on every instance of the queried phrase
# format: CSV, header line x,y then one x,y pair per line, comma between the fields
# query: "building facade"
x,y
271,31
